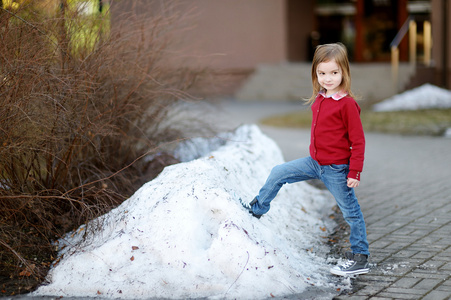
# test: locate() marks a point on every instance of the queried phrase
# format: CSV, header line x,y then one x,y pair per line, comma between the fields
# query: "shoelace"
x,y
245,204
348,264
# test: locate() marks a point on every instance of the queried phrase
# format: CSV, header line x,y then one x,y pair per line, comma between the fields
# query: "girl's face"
x,y
329,76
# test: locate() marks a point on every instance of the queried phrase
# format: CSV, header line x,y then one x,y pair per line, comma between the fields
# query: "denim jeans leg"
x,y
335,179
289,172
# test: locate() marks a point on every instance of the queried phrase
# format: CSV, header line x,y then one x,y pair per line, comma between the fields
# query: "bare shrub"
x,y
80,103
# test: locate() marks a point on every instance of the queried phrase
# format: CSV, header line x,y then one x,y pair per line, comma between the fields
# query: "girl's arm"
x,y
351,117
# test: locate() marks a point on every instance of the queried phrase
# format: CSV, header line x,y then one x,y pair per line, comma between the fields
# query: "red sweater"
x,y
337,135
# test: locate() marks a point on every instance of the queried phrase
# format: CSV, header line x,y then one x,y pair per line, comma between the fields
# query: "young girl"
x,y
337,147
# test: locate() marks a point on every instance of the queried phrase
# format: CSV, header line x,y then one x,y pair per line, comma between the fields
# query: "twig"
x,y
29,24
238,275
15,253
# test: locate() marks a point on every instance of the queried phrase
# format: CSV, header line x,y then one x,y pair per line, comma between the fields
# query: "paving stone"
x,y
399,235
379,251
392,295
422,233
437,295
444,287
427,245
427,284
447,281
351,297
446,239
433,220
369,290
446,266
397,245
444,228
391,271
434,264
413,291
377,279
405,253
427,274
423,254
381,230
384,223
380,244
404,260
401,224
406,282
373,236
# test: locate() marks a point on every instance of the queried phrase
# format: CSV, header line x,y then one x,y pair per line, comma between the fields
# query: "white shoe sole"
x,y
349,273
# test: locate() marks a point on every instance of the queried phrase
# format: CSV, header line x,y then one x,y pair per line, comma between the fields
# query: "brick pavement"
x,y
405,196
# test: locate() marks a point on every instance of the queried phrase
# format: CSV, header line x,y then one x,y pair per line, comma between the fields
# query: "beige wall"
x,y
237,33
231,34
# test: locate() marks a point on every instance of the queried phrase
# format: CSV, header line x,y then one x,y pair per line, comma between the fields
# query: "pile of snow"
x,y
426,96
185,235
447,133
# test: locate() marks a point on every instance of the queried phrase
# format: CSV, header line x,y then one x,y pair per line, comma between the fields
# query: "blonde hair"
x,y
325,53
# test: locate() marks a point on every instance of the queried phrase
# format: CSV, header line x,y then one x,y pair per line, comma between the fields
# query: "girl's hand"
x,y
352,183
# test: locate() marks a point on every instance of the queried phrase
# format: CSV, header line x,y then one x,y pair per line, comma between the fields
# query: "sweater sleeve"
x,y
356,136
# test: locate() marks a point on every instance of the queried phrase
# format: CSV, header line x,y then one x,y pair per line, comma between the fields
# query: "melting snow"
x,y
426,96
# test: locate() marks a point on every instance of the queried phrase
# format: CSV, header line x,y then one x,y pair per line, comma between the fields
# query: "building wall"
x,y
448,48
300,26
441,47
232,34
239,34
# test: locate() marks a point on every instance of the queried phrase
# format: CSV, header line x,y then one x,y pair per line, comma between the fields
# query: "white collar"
x,y
337,96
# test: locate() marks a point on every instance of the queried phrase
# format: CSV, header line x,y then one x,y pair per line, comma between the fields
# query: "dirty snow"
x,y
426,96
185,235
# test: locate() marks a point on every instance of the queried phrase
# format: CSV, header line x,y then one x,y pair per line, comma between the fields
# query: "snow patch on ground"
x,y
185,235
426,96
447,133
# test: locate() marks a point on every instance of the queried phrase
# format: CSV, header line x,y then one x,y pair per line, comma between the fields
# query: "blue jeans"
x,y
334,178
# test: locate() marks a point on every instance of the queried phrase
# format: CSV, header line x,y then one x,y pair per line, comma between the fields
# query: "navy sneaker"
x,y
248,206
356,264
